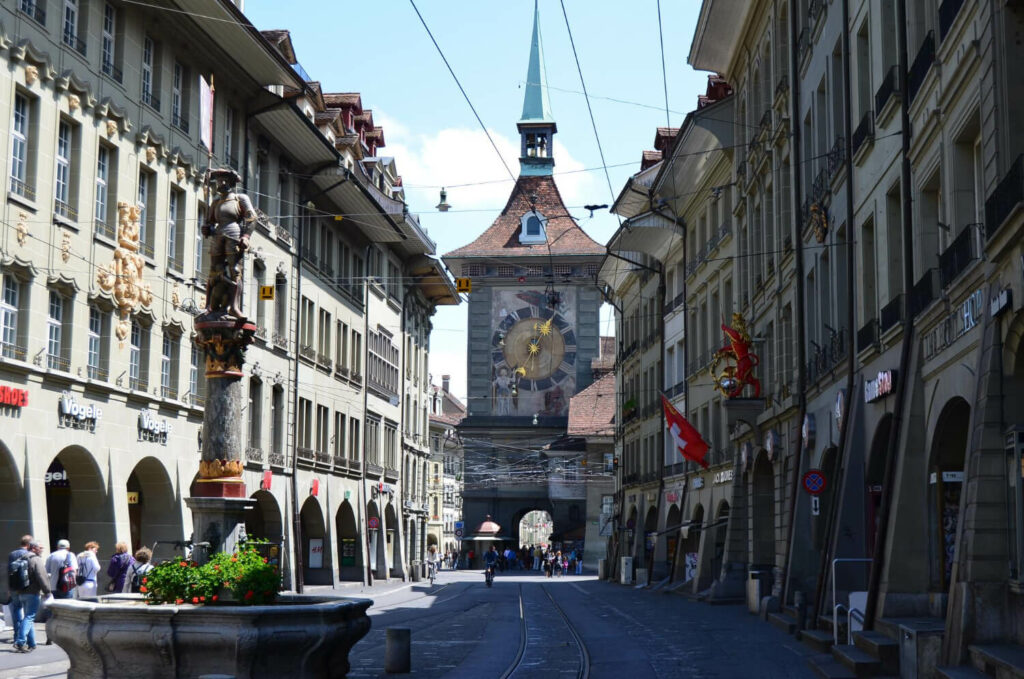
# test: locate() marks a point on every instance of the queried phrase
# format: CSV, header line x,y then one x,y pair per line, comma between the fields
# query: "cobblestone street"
x,y
462,629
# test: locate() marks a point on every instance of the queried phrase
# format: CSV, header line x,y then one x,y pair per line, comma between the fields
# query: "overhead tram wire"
x,y
664,75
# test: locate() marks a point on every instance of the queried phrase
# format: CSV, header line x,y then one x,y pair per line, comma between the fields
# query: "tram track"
x,y
523,664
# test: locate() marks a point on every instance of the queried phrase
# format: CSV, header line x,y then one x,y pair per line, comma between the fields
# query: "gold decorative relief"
x,y
175,296
22,228
123,276
73,102
216,469
31,74
180,173
65,246
111,128
150,154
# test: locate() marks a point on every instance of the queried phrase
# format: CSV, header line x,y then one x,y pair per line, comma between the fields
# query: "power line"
x,y
664,75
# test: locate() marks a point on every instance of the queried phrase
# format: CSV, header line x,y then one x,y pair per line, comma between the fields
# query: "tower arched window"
x,y
533,228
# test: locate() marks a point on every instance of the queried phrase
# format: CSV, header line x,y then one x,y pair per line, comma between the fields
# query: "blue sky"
x,y
381,50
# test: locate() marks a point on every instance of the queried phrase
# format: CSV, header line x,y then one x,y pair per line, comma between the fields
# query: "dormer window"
x,y
533,228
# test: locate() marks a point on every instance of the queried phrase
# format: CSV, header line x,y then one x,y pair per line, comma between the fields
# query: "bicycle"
x,y
431,571
489,575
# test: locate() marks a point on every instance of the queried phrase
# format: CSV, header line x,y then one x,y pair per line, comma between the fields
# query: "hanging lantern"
x,y
443,206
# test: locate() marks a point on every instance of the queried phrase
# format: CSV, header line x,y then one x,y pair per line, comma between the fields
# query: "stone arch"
x,y
394,543
314,544
874,477
719,531
78,506
154,507
763,524
631,527
673,520
376,546
263,520
945,481
350,553
14,508
533,526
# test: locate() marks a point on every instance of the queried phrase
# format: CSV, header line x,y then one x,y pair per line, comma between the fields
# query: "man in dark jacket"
x,y
28,599
14,602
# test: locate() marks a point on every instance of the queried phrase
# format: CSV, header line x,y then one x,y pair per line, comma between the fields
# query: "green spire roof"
x,y
536,108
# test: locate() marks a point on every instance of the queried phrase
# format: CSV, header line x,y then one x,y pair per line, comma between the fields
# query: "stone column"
x,y
218,508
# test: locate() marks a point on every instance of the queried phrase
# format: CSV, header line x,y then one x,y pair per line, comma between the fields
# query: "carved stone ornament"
x,y
122,278
22,228
73,102
175,296
31,74
179,172
150,154
111,128
65,246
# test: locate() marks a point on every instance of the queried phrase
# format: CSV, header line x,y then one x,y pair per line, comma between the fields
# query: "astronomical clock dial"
x,y
537,346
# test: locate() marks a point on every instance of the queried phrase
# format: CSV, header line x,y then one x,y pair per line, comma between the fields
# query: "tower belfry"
x,y
536,126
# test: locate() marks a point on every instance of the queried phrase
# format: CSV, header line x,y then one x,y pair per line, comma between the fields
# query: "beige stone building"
x,y
104,442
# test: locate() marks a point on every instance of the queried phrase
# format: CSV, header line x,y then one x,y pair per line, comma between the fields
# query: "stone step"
x,y
818,639
859,662
1000,660
827,667
880,646
783,621
962,672
890,627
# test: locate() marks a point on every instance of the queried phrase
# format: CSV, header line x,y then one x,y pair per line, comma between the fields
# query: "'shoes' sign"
x,y
13,397
72,414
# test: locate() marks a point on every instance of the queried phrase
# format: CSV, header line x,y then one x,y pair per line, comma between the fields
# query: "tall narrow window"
x,y
281,306
102,175
255,413
176,100
353,440
148,74
193,376
71,26
62,185
138,358
108,45
19,148
146,221
339,435
96,358
55,359
169,366
277,419
175,228
9,318
229,131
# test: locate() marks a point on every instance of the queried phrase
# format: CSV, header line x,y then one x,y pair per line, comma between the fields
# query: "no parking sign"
x,y
814,481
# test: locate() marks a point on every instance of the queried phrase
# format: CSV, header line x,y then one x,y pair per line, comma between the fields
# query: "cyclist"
x,y
431,562
491,560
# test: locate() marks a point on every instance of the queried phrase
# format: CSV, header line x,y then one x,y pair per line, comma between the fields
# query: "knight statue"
x,y
228,223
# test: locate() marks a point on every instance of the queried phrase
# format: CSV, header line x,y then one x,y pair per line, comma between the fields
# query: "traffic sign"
x,y
373,523
459,525
463,285
458,533
266,292
814,481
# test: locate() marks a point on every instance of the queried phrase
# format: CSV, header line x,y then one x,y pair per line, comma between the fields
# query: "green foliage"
x,y
242,578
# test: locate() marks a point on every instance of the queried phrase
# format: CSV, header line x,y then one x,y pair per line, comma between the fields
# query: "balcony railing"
x,y
97,373
197,400
8,350
34,10
146,249
673,304
113,71
306,453
948,11
65,210
283,234
803,44
924,292
922,64
179,121
281,340
1003,201
307,352
887,90
891,314
836,158
174,264
865,131
824,358
782,86
138,383
867,336
55,362
169,392
275,458
150,100
254,454
961,252
323,458
23,189
105,230
72,40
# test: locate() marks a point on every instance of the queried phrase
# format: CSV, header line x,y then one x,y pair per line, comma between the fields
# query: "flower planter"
x,y
299,637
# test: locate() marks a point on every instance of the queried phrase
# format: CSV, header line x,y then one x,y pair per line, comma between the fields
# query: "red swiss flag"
x,y
688,440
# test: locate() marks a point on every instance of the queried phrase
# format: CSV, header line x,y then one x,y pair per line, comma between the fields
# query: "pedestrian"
x,y
137,571
34,581
547,568
565,565
118,568
62,566
469,559
88,570
579,563
14,584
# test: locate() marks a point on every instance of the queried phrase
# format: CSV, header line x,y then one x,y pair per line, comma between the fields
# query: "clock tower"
x,y
533,329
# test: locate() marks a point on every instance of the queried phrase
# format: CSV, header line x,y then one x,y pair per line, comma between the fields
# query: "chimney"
x,y
445,381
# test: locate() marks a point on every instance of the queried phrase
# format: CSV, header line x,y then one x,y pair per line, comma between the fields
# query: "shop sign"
x,y
808,430
383,489
133,497
954,326
73,415
1000,302
880,387
672,496
348,551
698,482
724,476
56,476
13,397
948,477
152,429
316,552
268,478
314,487
409,504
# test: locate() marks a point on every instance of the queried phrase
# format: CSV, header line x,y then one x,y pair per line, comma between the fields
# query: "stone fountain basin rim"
x,y
287,605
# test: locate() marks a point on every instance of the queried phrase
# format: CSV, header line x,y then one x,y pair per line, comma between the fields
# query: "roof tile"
x,y
592,411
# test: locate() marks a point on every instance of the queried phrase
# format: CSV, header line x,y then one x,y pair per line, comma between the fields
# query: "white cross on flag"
x,y
688,440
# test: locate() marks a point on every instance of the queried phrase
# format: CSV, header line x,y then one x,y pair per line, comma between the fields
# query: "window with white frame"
x,y
195,377
277,418
19,147
97,344
70,34
147,200
9,307
175,229
255,413
179,100
102,186
149,71
533,228
62,186
55,349
169,352
339,435
323,424
108,43
138,357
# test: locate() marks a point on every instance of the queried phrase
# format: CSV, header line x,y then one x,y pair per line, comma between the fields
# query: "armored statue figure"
x,y
229,223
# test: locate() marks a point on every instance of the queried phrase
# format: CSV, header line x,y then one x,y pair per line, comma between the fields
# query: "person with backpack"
x,y
62,566
28,579
12,600
88,571
120,562
137,571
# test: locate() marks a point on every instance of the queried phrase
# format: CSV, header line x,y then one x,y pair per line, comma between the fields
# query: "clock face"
x,y
534,346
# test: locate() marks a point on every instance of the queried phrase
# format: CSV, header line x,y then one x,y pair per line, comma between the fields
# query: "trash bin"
x,y
414,571
758,585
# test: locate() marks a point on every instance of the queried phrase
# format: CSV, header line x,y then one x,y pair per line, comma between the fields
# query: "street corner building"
x,y
115,113
822,270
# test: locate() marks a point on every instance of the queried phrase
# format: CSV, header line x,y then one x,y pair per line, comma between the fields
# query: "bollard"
x,y
397,650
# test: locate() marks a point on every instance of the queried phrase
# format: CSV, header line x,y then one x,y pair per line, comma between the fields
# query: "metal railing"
x,y
146,249
254,454
34,10
836,157
22,188
8,350
55,362
961,252
169,392
113,71
138,383
924,292
174,264
72,40
891,314
835,621
65,210
1008,194
887,90
151,100
867,336
307,352
306,453
865,131
179,121
823,359
95,372
105,230
922,64
275,458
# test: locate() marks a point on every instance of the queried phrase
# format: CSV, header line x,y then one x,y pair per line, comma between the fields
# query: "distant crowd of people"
x,y
532,557
33,581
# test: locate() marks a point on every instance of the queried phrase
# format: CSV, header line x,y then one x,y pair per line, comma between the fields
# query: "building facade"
x,y
446,467
104,268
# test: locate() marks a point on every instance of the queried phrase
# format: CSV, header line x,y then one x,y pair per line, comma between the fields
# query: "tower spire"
x,y
537,125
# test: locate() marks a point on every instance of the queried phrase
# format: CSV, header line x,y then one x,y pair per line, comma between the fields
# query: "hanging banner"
x,y
206,113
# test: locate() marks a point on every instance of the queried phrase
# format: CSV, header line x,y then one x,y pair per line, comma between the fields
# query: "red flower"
x,y
215,597
250,594
234,558
143,589
145,580
265,560
202,598
216,567
225,584
195,599
179,601
183,564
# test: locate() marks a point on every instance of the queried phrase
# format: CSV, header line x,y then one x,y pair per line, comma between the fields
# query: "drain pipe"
x,y
877,564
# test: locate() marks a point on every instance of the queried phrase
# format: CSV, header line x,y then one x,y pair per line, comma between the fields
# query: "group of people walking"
x,y
32,581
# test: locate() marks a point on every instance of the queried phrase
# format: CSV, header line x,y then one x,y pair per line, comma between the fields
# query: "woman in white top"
x,y
88,570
